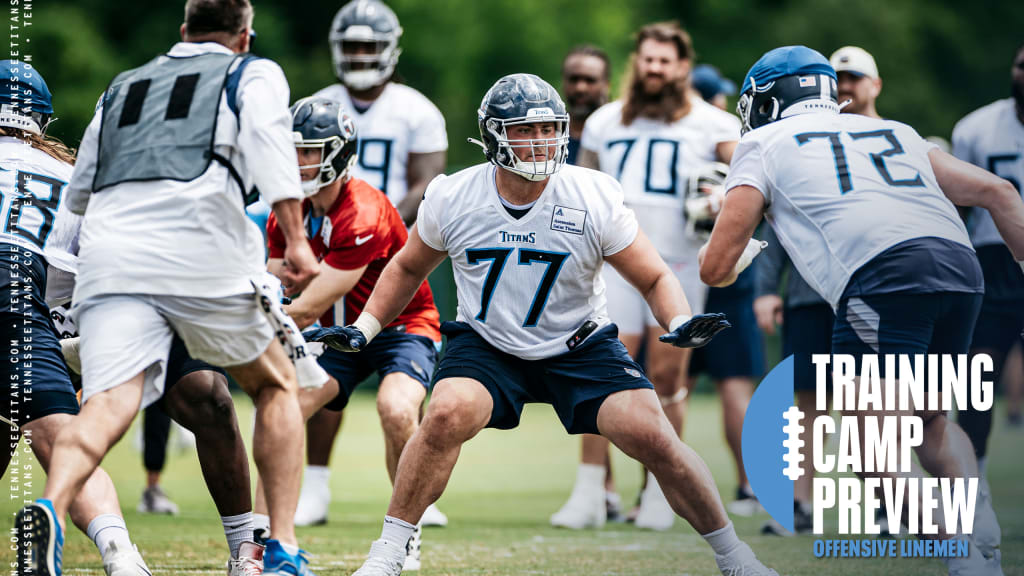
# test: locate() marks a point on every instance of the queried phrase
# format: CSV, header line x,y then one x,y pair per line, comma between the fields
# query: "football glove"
x,y
341,338
696,331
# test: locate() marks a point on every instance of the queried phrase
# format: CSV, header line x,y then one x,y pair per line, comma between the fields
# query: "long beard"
x,y
668,104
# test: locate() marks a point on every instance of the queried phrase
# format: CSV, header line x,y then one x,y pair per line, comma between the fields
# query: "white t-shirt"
x,y
526,285
841,189
991,137
190,238
401,121
653,161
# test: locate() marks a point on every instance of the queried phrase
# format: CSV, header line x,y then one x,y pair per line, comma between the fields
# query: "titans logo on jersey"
x,y
653,161
527,284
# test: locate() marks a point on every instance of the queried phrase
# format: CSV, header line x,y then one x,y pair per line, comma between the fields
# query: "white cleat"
x,y
746,504
313,503
383,560
584,509
124,562
987,534
742,562
655,512
433,517
975,563
249,561
412,551
155,501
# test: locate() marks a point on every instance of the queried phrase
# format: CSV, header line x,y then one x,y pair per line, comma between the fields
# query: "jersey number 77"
x,y
498,257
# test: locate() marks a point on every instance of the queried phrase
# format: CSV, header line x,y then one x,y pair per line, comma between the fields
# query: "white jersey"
x,y
991,137
653,161
190,238
842,188
43,225
401,121
526,285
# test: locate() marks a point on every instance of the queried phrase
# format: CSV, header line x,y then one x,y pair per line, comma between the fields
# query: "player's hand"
x,y
696,331
340,338
299,269
768,311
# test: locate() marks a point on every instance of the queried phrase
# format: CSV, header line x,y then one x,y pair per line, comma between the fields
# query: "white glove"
x,y
69,347
268,297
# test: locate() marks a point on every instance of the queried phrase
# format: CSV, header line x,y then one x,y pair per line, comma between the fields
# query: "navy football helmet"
x,y
784,82
523,99
365,22
321,123
25,101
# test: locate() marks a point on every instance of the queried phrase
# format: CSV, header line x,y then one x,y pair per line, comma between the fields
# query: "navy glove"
x,y
697,331
340,338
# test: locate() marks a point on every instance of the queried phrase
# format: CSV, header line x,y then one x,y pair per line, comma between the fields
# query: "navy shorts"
x,y
905,323
574,383
389,352
736,352
806,330
180,364
34,381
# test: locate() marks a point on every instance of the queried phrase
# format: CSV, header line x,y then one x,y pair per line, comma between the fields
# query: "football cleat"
x,y
384,560
655,512
278,562
249,561
314,500
124,562
742,562
987,534
975,563
613,508
802,523
155,501
745,504
40,540
584,509
433,517
412,551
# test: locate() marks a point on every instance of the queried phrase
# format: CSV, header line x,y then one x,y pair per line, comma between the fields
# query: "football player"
x,y
402,147
37,398
712,86
585,76
883,243
527,237
166,248
355,232
992,137
652,141
857,80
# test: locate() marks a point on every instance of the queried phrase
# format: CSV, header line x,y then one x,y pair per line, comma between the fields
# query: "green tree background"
x,y
938,59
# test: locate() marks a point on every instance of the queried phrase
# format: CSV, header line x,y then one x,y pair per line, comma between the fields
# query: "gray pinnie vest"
x,y
159,120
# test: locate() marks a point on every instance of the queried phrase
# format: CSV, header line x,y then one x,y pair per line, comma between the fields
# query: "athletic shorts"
x,y
34,381
806,330
628,309
574,383
905,323
389,352
125,334
736,352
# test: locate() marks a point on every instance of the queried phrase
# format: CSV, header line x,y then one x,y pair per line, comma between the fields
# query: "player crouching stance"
x,y
527,238
356,231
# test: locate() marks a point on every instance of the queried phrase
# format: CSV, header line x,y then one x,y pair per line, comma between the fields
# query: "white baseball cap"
x,y
855,61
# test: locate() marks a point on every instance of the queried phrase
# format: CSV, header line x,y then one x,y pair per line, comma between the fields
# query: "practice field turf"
x,y
501,494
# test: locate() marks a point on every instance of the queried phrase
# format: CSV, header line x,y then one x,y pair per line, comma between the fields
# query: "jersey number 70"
x,y
498,256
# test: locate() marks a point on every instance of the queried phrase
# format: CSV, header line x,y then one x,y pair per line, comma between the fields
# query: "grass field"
x,y
499,499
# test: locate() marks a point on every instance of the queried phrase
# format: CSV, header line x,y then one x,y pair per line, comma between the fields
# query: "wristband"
x,y
368,325
678,321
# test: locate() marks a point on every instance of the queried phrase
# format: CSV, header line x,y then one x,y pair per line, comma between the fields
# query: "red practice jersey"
x,y
362,228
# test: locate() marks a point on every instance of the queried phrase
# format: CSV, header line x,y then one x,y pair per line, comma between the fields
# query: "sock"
x,y
261,522
318,476
237,529
724,540
106,529
590,477
291,549
396,532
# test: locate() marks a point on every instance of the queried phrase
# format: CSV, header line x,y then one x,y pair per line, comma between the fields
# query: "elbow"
x,y
716,276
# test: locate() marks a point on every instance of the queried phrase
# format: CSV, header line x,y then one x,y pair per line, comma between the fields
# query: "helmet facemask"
x,y
361,71
505,155
327,173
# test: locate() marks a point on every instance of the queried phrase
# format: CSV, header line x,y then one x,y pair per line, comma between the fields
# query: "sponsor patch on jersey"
x,y
633,372
808,81
569,220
